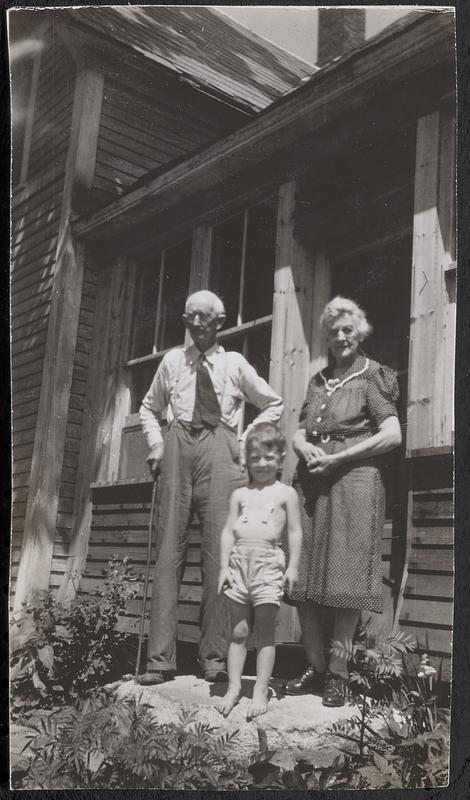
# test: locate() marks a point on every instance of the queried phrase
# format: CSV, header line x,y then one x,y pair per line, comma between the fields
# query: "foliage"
x,y
61,650
399,737
104,742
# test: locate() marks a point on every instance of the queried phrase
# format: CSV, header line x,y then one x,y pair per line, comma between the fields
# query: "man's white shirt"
x,y
173,389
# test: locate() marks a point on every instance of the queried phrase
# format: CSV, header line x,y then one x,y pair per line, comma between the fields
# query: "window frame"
x,y
199,278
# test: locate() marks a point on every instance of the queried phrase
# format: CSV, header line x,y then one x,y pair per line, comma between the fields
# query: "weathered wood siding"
x,y
35,228
122,528
427,607
432,317
139,134
53,109
78,406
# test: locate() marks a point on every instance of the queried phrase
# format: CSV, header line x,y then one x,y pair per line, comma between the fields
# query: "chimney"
x,y
339,30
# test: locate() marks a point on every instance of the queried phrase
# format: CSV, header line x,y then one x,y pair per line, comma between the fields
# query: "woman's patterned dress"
x,y
343,513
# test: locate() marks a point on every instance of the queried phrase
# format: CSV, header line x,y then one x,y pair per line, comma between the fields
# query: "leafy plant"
x,y
60,650
375,659
398,737
105,742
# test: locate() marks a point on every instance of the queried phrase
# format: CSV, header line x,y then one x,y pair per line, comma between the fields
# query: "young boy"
x,y
253,572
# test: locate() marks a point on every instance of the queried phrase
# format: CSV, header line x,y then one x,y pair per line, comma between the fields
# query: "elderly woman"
x,y
349,419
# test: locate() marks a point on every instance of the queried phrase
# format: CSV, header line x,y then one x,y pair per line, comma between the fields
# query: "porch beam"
x,y
338,89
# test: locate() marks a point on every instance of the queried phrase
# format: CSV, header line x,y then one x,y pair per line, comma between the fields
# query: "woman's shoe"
x,y
336,691
310,681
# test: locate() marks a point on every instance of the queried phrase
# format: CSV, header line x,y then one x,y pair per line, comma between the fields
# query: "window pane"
x,y
141,378
259,261
258,354
145,309
259,350
174,293
226,265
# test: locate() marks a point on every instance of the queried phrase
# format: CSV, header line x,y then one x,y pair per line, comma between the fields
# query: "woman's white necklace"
x,y
332,384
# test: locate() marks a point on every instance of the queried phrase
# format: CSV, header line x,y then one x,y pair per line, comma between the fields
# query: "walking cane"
x,y
147,576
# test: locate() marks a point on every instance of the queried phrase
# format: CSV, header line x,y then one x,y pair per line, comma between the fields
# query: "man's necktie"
x,y
206,406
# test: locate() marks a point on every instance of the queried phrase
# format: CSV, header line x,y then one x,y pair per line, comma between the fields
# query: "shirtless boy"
x,y
253,571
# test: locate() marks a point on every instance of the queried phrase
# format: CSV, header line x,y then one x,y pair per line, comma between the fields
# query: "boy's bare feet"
x,y
259,703
228,701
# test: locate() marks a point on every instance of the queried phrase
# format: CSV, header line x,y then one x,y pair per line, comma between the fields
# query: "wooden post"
x,y
430,389
321,296
200,264
290,345
200,258
292,315
119,332
46,467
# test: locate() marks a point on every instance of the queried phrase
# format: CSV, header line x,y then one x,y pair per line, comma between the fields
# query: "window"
x,y
162,288
242,274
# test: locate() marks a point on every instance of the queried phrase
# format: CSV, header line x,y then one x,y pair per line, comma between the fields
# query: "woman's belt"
x,y
333,436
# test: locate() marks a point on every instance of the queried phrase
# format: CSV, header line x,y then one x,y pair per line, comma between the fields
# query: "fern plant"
x,y
104,742
401,738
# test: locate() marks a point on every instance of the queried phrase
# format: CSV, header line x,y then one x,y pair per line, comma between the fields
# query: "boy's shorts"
x,y
257,572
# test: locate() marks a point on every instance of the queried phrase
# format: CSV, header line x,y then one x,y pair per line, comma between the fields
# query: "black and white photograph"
x,y
232,303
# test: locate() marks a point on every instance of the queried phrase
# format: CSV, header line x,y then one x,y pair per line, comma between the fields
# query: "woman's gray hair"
x,y
342,305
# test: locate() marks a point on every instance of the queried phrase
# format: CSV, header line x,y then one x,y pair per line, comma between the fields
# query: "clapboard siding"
x,y
427,607
122,529
53,110
138,134
73,434
35,228
34,241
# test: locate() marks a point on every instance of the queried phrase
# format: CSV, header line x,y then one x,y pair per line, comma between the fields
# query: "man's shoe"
x,y
336,691
215,675
311,680
155,678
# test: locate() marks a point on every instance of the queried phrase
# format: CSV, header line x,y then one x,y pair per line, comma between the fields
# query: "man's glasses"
x,y
204,319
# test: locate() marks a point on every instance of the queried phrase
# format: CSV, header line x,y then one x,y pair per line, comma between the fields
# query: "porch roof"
x,y
415,44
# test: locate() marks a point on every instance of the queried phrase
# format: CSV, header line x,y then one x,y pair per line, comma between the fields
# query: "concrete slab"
x,y
292,724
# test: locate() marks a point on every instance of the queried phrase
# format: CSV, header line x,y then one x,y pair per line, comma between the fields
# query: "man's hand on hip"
x,y
154,460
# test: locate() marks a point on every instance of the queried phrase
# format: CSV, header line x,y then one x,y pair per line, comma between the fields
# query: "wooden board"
x,y
430,419
428,612
422,585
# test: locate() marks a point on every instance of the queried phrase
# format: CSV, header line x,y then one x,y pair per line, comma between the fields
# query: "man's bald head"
x,y
208,299
204,315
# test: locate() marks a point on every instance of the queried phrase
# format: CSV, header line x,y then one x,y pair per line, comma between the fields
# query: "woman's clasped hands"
x,y
316,460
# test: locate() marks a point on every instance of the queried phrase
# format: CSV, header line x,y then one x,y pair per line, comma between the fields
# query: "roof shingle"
x,y
203,46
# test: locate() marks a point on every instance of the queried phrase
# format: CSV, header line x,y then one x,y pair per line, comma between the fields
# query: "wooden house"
x,y
344,184
99,98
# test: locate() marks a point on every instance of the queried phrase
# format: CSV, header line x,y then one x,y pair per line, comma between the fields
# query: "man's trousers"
x,y
199,473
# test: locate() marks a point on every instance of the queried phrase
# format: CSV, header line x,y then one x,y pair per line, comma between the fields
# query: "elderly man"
x,y
199,391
